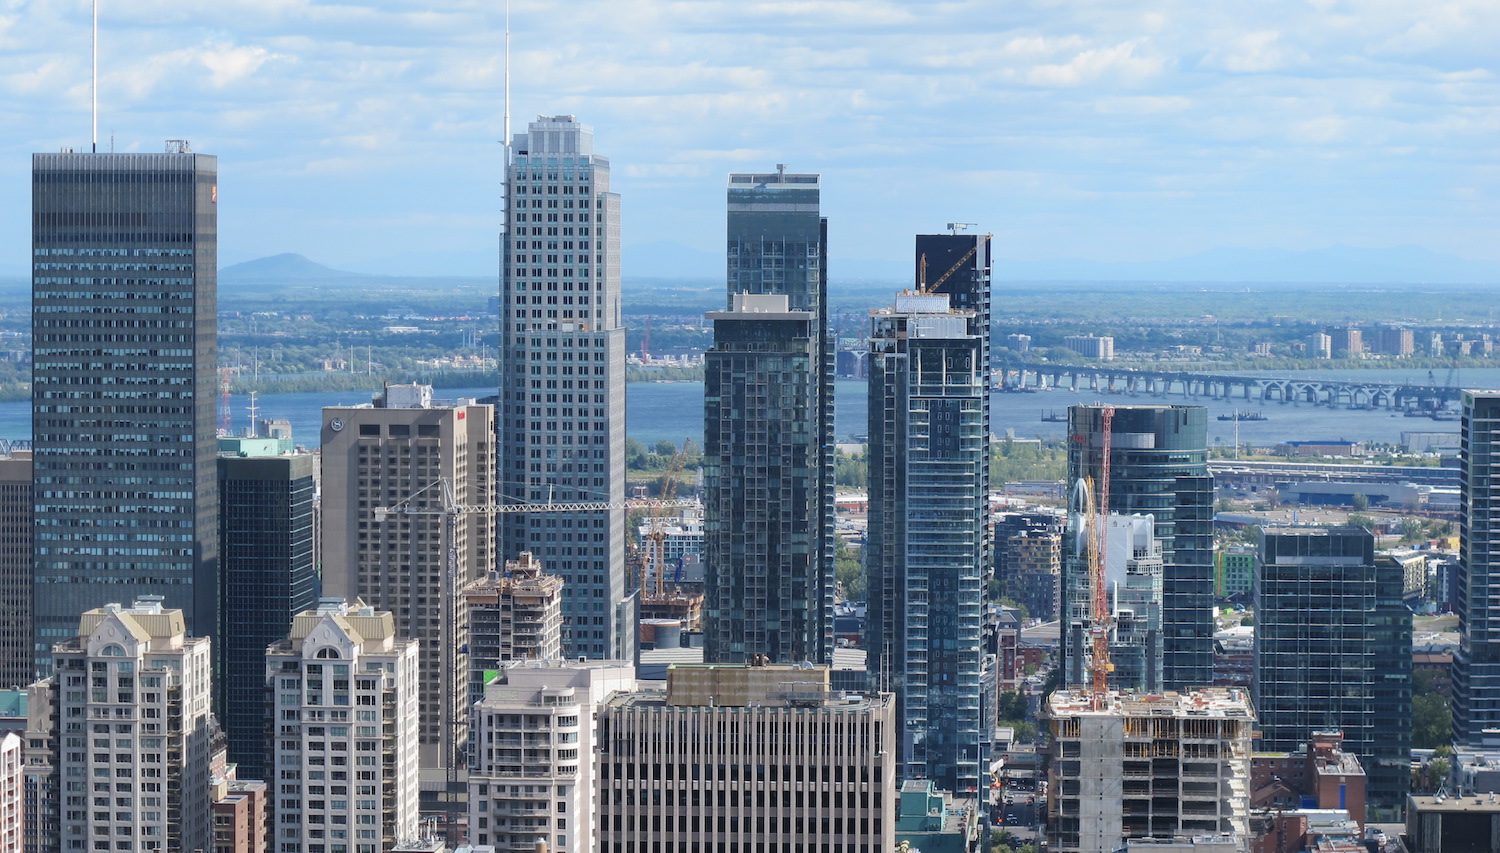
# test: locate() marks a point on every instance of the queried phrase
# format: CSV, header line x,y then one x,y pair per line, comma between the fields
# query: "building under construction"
x,y
514,615
1160,766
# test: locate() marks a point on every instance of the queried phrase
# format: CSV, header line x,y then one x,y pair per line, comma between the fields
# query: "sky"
x,y
364,132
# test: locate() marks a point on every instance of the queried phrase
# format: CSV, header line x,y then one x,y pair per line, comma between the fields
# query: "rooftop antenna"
x,y
506,140
94,79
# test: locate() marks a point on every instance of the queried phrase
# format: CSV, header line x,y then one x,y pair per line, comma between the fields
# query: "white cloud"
x,y
1251,52
1116,64
375,102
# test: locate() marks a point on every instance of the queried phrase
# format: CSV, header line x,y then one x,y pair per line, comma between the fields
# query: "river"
x,y
674,411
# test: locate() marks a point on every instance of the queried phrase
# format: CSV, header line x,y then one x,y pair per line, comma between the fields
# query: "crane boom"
x,y
501,509
953,269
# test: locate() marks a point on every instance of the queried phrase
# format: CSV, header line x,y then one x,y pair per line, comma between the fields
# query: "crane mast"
x,y
1099,665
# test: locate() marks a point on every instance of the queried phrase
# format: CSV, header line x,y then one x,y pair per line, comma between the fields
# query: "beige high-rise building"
x,y
1169,766
513,615
390,472
134,731
344,690
737,758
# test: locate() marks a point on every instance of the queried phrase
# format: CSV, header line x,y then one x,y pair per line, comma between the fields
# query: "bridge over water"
x,y
1222,386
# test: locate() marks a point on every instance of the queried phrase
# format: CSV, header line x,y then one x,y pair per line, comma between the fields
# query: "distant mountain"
x,y
1334,265
675,261
283,267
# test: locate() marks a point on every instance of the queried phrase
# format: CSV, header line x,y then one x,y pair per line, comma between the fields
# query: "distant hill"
x,y
677,262
283,267
1333,265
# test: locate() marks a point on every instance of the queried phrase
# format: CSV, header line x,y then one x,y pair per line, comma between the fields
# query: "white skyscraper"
x,y
344,695
561,417
531,783
135,723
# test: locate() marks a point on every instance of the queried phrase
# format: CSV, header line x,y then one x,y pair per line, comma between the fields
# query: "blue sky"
x,y
1089,129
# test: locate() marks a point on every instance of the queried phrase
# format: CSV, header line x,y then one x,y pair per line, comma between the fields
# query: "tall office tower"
x,y
138,668
925,555
17,663
562,378
531,784
1172,767
514,615
777,246
390,470
1333,651
767,591
345,692
124,324
747,757
1476,666
268,575
1158,466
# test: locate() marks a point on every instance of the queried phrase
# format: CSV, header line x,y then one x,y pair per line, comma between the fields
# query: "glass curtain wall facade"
x,y
266,536
1333,652
1158,465
925,554
561,418
766,590
776,246
1476,666
124,325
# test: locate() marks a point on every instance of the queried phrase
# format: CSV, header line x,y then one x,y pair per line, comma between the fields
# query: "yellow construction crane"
x,y
654,554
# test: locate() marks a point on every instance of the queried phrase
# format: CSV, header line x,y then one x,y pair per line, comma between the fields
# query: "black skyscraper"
x,y
124,273
266,536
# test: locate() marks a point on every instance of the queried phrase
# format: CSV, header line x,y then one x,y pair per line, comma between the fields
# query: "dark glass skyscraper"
x,y
266,542
124,323
925,555
1333,652
561,412
1476,666
779,539
1158,465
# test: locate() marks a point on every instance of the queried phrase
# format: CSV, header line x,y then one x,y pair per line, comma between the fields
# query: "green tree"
x,y
852,470
1012,705
849,572
1359,519
1014,605
1431,721
635,455
1361,503
665,448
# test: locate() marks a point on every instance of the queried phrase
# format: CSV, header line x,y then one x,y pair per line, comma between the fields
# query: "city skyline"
x,y
1285,126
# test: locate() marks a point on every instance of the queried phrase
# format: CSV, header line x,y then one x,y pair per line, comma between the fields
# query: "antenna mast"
x,y
506,140
94,80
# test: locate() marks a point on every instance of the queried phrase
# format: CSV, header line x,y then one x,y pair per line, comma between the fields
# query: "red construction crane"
x,y
1099,666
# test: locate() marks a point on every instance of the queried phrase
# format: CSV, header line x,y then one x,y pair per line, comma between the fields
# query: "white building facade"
x,y
531,780
134,718
344,753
